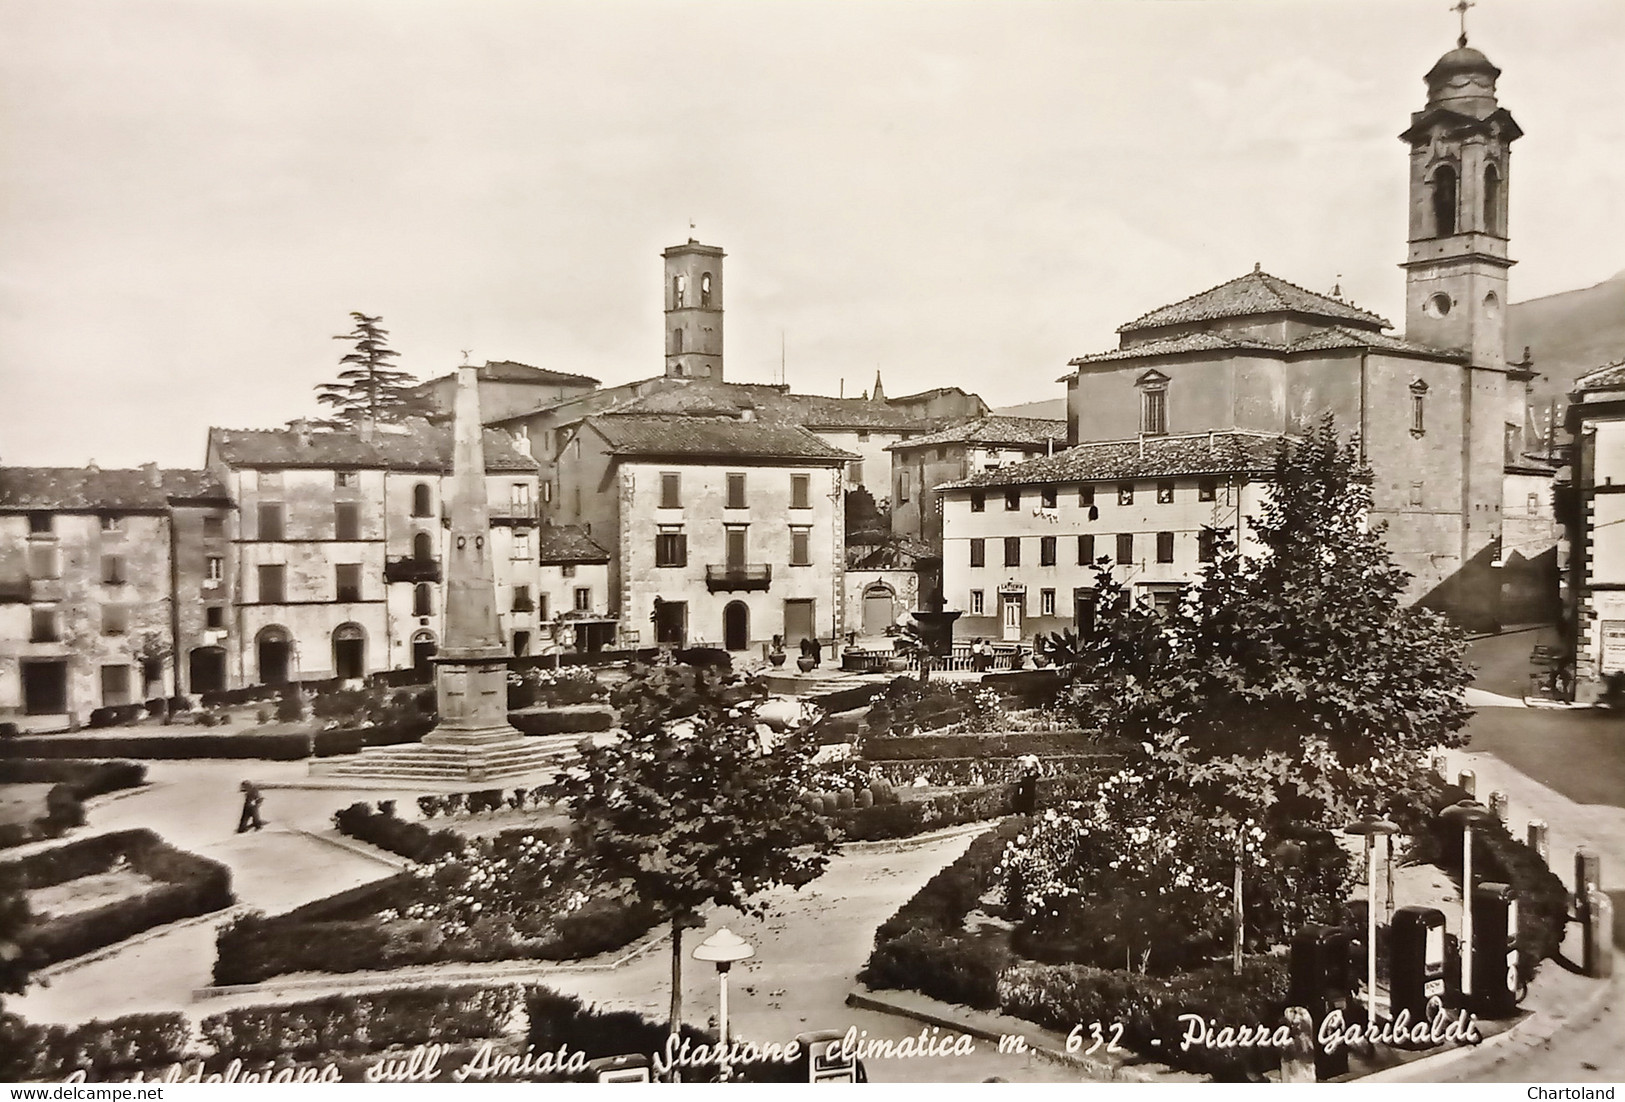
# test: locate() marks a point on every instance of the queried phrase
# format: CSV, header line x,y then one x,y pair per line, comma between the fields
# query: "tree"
x,y
690,807
14,956
1291,685
866,520
370,388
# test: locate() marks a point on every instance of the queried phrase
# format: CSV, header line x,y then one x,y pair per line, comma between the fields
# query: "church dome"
x,y
1463,80
1463,59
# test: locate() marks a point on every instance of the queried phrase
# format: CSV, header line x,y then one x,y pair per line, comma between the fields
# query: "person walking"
x,y
251,808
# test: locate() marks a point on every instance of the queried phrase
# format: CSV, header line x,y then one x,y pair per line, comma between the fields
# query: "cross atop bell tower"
x,y
1456,265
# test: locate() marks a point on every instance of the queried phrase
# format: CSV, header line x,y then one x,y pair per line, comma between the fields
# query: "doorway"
x,y
879,609
736,626
423,649
349,652
671,623
798,622
45,688
206,670
1012,605
273,652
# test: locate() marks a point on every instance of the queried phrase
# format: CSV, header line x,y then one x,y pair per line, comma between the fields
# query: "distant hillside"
x,y
1053,409
1569,334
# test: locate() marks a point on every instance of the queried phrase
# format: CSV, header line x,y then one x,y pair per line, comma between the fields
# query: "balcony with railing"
x,y
411,570
733,577
513,512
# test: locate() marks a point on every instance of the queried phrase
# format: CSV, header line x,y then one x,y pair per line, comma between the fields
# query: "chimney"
x,y
367,429
301,429
154,477
91,467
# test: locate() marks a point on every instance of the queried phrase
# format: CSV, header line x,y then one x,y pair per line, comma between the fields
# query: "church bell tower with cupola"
x,y
1456,268
694,311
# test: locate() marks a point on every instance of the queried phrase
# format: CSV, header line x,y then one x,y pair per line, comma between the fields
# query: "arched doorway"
x,y
879,608
273,652
736,626
424,648
206,670
349,652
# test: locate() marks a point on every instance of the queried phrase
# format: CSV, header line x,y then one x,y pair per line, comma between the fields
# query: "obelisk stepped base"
x,y
455,763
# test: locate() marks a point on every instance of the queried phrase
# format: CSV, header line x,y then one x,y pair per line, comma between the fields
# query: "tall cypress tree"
x,y
370,388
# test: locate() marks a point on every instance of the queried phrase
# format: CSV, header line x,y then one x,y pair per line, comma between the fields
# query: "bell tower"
x,y
694,311
1456,267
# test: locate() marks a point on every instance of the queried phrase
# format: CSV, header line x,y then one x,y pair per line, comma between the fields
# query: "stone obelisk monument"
x,y
471,670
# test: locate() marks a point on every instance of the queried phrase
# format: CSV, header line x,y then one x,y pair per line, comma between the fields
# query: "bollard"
x,y
1298,1054
1441,766
1468,780
1587,879
1540,842
1499,807
1597,940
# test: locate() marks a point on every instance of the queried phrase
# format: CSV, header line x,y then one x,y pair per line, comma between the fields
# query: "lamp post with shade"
x,y
1369,827
1466,814
722,949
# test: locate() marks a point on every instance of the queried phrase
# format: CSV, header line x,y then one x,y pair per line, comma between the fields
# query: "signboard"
x,y
1613,645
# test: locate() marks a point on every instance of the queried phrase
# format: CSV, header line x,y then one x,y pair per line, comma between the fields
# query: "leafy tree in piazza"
x,y
1293,685
691,808
14,956
370,388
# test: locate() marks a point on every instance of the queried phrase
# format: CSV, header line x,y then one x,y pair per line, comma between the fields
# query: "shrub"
x,y
909,817
1071,741
289,708
283,746
180,704
429,806
413,841
63,809
127,1044
190,885
562,1020
8,730
563,721
86,778
363,1023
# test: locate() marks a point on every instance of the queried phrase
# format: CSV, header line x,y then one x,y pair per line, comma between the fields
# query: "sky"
x,y
194,194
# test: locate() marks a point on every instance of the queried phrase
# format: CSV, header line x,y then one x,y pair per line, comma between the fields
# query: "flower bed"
x,y
984,745
977,771
62,808
191,885
99,1049
85,778
539,686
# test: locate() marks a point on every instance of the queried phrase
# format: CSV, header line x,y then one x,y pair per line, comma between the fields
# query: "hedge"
x,y
341,1024
63,810
265,746
951,772
910,817
86,778
190,885
128,1044
844,700
1030,687
572,720
1013,744
411,840
115,715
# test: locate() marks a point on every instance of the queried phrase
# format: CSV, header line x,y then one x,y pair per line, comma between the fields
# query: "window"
x,y
977,605
1125,493
113,570
583,599
978,501
423,599
347,581
214,617
521,643
346,480
1046,602
1164,599
42,562
1012,499
1165,493
1419,394
1125,547
1012,551
736,492
676,340
214,527
547,490
679,285
1206,541
942,453
978,552
1154,412
902,487
423,547
347,520
519,500
705,289
1444,201
1165,547
800,547
44,626
115,619
214,570
521,545
1046,551
41,524
1207,490
671,490
1086,550
1492,200
671,549
272,579
854,472
1046,497
521,599
801,491
115,686
112,522
422,500
1416,493
269,514
567,570
1534,504
1086,494
541,606
863,437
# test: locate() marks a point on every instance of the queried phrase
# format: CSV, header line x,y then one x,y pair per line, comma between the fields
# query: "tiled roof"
x,y
1257,292
510,371
423,447
1602,378
711,438
1319,340
92,488
1150,457
1015,431
565,543
770,404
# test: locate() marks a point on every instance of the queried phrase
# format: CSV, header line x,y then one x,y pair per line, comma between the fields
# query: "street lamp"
x,y
1468,814
723,948
1369,827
